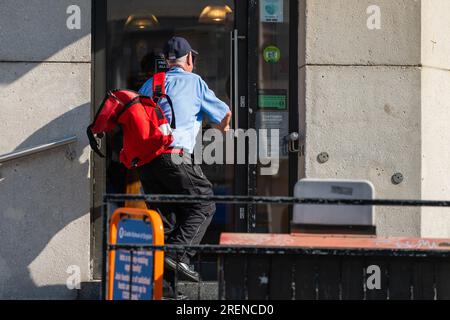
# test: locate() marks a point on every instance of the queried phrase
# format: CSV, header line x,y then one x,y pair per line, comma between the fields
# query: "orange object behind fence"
x,y
157,239
134,187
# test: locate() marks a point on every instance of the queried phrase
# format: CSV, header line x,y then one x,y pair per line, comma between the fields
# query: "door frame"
x,y
246,22
294,106
252,99
241,186
98,167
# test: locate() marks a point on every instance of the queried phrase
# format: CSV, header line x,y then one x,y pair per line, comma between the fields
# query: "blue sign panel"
x,y
130,231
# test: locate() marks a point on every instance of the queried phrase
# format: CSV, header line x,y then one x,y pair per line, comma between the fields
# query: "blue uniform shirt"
x,y
191,99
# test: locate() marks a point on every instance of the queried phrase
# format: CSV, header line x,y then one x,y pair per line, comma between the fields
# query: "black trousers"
x,y
183,223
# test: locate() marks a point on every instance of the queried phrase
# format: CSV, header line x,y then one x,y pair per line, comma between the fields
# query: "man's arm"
x,y
218,111
224,125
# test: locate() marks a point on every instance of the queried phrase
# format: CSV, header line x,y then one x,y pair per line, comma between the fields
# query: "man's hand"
x,y
224,125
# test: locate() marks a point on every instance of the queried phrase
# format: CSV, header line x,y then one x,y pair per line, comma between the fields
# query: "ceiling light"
x,y
214,14
144,22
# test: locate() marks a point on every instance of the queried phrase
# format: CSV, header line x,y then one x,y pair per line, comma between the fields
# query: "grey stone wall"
x,y
45,94
375,101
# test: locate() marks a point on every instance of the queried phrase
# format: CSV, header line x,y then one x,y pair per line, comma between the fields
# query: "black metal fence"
x,y
249,272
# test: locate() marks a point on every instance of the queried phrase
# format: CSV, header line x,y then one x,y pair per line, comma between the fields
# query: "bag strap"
x,y
159,92
132,102
158,99
159,81
93,142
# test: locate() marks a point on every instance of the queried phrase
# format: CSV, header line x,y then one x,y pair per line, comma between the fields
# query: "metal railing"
x,y
37,149
162,198
256,272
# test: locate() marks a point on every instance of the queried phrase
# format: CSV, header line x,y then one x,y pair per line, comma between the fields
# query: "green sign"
x,y
271,54
272,101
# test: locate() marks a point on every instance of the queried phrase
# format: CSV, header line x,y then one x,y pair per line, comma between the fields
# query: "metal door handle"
x,y
234,72
291,139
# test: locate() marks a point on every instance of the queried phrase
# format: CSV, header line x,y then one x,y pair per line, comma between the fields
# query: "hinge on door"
x,y
242,102
241,213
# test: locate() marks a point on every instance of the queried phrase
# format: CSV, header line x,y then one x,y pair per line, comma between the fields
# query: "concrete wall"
x,y
45,93
435,115
373,106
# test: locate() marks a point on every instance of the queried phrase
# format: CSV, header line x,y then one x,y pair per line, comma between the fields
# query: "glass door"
x,y
136,33
273,109
245,57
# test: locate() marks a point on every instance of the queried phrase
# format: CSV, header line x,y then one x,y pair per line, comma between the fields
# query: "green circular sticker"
x,y
271,54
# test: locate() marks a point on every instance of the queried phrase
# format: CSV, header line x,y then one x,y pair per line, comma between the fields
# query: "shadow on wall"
x,y
38,30
44,198
45,224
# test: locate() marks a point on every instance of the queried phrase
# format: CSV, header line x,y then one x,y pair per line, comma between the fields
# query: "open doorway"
x,y
238,46
136,34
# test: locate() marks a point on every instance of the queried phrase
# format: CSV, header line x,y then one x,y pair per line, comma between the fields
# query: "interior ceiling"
x,y
121,9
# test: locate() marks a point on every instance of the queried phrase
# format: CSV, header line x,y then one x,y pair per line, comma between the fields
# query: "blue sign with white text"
x,y
131,231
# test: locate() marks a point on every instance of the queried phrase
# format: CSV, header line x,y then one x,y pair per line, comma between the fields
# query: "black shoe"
x,y
171,296
179,297
185,272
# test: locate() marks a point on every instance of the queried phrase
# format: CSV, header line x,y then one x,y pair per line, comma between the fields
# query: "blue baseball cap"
x,y
177,47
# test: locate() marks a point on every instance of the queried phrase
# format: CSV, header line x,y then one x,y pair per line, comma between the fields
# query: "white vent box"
x,y
333,215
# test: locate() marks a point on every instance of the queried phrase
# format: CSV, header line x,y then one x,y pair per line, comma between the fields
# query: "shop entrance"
x,y
248,57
